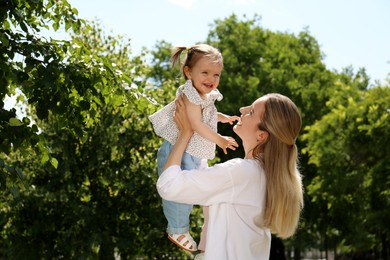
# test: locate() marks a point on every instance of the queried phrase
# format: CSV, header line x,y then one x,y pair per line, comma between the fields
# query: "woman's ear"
x,y
187,72
262,136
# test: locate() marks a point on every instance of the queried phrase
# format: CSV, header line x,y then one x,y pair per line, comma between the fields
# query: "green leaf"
x,y
14,192
13,121
54,162
20,174
4,40
45,158
6,25
56,26
23,26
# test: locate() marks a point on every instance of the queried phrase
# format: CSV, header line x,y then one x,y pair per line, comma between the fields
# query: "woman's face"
x,y
247,127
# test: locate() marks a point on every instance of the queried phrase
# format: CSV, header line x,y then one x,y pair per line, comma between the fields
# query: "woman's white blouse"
x,y
235,193
165,126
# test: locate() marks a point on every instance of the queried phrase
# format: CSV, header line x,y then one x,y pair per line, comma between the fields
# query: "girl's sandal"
x,y
184,241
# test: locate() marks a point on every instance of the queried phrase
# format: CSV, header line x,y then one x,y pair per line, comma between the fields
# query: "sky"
x,y
350,32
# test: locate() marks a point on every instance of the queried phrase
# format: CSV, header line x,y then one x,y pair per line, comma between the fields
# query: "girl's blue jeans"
x,y
177,214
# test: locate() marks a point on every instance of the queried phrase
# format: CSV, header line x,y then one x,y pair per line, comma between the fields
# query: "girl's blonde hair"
x,y
279,157
194,54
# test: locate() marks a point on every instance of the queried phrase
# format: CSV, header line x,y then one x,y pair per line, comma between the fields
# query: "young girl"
x,y
202,69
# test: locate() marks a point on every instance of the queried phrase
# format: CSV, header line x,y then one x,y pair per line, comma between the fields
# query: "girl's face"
x,y
204,75
247,127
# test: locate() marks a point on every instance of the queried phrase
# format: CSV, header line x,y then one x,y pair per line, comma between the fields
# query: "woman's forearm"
x,y
178,149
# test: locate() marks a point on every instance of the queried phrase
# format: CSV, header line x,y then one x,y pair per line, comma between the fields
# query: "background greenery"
x,y
78,172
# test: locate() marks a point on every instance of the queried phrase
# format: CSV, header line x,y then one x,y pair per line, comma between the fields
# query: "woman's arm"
x,y
185,133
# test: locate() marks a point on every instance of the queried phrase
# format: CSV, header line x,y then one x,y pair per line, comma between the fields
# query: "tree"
x,y
22,51
88,162
349,145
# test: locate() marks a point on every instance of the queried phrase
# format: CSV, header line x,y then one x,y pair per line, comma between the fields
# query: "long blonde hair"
x,y
279,157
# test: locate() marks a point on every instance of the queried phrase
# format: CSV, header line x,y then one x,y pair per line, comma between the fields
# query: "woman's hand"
x,y
185,133
180,116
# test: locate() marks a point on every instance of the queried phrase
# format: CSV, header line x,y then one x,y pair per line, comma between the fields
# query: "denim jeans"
x,y
177,214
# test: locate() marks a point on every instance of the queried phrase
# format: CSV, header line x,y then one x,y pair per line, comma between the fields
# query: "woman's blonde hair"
x,y
194,54
279,157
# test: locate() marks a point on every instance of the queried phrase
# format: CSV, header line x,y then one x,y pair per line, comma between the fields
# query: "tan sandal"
x,y
184,241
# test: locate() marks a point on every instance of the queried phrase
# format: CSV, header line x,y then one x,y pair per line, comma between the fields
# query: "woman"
x,y
248,198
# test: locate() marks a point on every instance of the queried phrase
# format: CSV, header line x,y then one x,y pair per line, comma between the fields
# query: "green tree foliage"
x,y
259,61
88,162
23,53
350,147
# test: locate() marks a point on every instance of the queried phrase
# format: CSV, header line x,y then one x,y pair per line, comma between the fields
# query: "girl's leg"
x,y
181,223
202,242
177,214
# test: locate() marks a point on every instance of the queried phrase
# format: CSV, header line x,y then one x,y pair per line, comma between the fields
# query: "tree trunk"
x,y
385,246
297,253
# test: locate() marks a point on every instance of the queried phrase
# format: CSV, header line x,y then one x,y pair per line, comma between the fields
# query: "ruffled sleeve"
x,y
216,95
193,96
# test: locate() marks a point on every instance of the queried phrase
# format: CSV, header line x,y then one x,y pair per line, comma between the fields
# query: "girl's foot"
x,y
184,241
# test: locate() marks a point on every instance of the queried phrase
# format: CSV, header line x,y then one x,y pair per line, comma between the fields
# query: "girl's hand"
x,y
227,119
180,116
227,142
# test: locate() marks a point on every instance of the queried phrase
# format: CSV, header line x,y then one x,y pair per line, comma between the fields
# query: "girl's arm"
x,y
194,113
226,118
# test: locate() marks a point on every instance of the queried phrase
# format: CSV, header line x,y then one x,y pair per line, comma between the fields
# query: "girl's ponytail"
x,y
176,53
